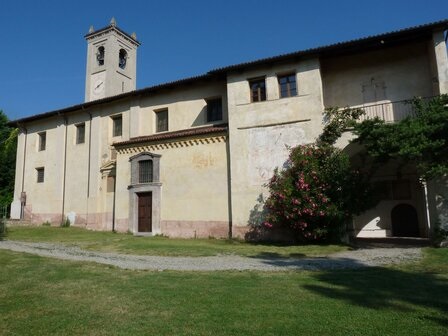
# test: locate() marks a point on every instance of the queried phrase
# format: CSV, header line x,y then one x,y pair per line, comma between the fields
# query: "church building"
x,y
190,158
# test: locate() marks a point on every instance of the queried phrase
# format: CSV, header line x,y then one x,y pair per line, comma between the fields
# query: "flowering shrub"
x,y
316,194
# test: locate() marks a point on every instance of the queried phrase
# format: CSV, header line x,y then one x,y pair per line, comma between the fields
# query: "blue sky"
x,y
43,54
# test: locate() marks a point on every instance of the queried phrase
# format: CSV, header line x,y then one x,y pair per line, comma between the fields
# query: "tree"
x,y
421,139
8,146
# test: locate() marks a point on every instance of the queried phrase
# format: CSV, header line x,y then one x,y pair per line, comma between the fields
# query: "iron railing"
x,y
389,111
4,211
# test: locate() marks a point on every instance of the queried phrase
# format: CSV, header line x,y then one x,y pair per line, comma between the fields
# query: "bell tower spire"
x,y
111,62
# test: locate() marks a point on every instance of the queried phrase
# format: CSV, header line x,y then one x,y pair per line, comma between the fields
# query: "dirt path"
x,y
349,259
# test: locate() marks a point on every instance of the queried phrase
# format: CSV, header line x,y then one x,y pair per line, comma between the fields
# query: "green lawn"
x,y
127,243
42,296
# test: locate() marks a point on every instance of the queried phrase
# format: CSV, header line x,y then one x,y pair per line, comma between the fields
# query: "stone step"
x,y
392,242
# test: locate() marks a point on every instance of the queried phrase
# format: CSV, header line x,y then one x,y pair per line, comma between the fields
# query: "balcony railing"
x,y
389,111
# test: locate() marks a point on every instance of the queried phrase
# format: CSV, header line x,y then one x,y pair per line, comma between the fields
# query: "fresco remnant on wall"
x,y
268,149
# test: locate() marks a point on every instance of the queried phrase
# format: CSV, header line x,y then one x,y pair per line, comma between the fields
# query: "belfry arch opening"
x,y
100,56
122,58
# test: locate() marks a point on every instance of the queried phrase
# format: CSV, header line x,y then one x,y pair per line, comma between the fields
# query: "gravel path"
x,y
350,259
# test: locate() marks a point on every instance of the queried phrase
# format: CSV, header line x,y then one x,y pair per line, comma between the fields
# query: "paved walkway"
x,y
349,259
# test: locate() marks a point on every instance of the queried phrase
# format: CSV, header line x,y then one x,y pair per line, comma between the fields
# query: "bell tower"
x,y
111,62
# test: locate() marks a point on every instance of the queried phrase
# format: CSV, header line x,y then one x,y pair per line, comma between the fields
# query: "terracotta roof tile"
x,y
175,134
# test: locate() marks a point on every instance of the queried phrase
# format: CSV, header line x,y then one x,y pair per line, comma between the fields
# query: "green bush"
x,y
3,228
316,195
65,223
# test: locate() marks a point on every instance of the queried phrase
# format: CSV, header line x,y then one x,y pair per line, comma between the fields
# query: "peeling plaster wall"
x,y
258,132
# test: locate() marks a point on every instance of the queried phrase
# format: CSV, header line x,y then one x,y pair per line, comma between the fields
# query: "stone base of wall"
x,y
195,229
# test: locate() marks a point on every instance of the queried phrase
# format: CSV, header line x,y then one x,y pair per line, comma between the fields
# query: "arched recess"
x,y
393,183
404,219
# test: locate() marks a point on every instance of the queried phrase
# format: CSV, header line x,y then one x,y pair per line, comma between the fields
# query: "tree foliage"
x,y
338,121
8,145
421,139
316,194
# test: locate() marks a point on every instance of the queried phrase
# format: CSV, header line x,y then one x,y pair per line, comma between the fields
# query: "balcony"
x,y
389,111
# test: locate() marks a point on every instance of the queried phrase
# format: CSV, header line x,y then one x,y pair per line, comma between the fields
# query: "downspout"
x,y
65,170
428,218
229,188
22,204
113,200
88,166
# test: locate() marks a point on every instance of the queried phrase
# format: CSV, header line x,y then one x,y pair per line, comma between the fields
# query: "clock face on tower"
x,y
98,85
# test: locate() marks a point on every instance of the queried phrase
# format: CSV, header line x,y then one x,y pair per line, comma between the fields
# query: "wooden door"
x,y
145,212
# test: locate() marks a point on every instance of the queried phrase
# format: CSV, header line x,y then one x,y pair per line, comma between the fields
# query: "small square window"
x,y
117,127
214,109
162,120
80,133
257,89
287,85
145,171
42,141
40,172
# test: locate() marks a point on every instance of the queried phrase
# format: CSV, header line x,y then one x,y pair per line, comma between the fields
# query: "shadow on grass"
x,y
384,288
297,261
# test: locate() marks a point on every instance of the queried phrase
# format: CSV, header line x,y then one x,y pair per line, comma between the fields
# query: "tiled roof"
x,y
401,35
365,43
173,135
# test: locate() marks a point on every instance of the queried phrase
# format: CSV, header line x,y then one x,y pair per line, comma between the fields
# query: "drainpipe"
x,y
22,203
425,190
229,187
65,169
88,166
113,201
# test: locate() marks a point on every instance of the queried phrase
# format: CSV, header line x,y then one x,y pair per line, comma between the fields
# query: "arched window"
x,y
122,56
100,56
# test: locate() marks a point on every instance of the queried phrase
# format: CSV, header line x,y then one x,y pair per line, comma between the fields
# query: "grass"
x,y
42,296
127,243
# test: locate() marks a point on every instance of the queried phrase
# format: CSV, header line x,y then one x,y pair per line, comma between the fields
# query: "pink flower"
x,y
268,225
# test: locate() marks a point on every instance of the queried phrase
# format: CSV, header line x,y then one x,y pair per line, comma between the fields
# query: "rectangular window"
x,y
162,120
110,184
145,171
40,172
42,141
257,89
80,133
117,128
287,85
214,109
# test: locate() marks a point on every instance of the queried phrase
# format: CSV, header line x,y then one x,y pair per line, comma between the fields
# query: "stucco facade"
x,y
208,170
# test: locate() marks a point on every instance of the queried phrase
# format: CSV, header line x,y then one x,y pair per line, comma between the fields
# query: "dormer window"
x,y
100,56
122,57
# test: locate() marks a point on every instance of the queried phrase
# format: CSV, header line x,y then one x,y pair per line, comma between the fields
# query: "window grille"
x,y
214,109
117,126
42,141
145,171
162,120
40,174
80,133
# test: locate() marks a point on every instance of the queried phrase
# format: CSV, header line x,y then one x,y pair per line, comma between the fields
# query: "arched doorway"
x,y
404,221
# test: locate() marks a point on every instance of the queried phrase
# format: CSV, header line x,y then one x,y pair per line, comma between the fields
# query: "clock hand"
x,y
99,85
